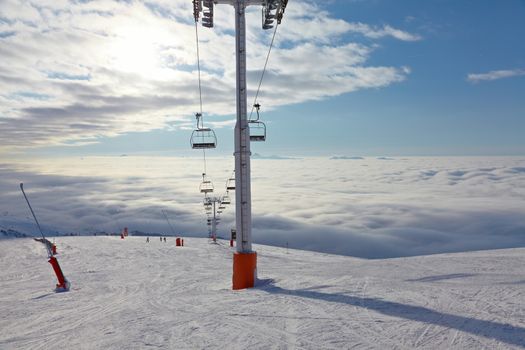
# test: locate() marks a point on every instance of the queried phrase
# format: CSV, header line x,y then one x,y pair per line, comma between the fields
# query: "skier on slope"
x,y
147,240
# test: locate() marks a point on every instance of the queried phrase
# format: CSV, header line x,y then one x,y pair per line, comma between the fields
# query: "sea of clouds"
x,y
359,206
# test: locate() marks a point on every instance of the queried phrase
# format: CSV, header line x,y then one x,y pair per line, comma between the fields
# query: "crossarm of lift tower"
x,y
246,2
271,10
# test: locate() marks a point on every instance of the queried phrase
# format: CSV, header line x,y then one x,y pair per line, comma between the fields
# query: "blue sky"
x,y
435,110
347,77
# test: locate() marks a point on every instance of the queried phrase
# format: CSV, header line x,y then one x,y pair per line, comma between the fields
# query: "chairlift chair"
x,y
226,199
230,184
202,138
257,128
206,186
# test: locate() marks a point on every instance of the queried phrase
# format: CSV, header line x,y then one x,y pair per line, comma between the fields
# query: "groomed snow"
x,y
131,295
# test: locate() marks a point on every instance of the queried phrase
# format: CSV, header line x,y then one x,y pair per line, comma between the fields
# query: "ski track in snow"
x,y
127,294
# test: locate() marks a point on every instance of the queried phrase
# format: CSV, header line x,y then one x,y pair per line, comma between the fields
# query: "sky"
x,y
345,77
393,128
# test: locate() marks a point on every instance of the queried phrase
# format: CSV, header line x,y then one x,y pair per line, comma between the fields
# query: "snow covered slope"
x,y
131,295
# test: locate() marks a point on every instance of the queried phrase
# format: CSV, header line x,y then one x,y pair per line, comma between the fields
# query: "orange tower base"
x,y
244,270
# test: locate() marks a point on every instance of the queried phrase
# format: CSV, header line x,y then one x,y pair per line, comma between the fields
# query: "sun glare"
x,y
134,50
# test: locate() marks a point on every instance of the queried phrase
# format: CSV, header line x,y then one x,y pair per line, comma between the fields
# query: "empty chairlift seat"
x,y
225,199
257,130
203,138
206,185
230,184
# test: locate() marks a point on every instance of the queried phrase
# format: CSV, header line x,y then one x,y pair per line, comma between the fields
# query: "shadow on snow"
x,y
499,331
442,277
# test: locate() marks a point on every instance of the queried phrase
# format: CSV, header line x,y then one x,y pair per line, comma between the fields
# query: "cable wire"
x,y
264,70
200,87
198,66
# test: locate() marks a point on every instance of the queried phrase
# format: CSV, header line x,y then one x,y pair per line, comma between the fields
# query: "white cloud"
x,y
381,32
112,67
363,207
311,23
495,75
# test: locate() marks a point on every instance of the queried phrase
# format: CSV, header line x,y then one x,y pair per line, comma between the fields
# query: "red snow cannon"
x,y
63,283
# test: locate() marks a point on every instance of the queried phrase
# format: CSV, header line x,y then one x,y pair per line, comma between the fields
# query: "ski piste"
x,y
63,284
